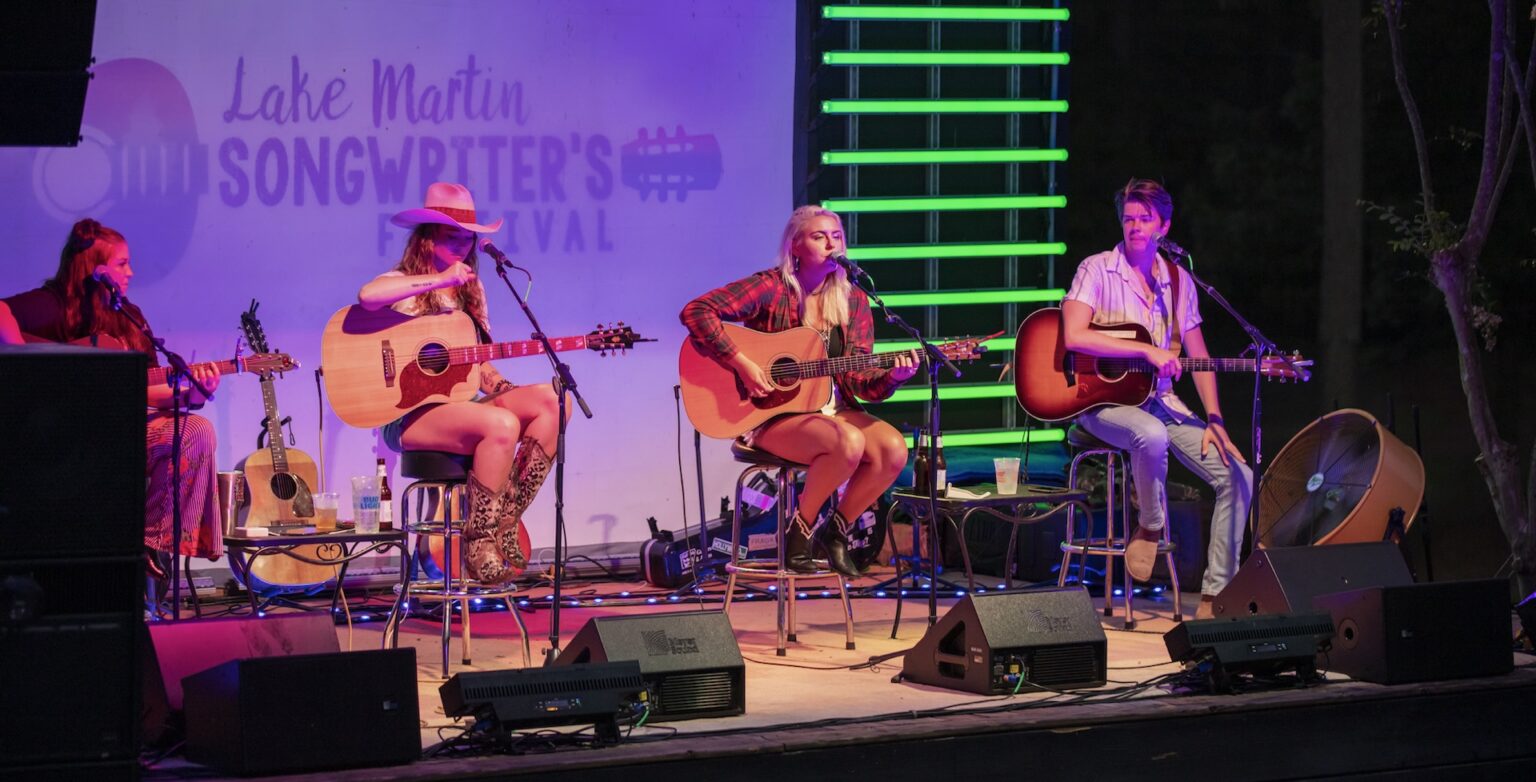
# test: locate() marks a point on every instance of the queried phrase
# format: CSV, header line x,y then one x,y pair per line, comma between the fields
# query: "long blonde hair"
x,y
832,297
418,260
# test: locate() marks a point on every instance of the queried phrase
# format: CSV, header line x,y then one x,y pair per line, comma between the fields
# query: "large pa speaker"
x,y
690,661
307,712
1050,638
175,650
1420,632
72,474
1285,580
45,50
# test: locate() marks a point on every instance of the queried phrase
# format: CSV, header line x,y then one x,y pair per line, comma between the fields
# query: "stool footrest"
x,y
433,590
769,569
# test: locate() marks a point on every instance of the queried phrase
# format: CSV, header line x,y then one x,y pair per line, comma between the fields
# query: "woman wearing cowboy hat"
x,y
511,432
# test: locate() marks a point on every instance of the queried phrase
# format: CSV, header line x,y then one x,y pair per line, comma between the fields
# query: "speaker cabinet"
x,y
70,692
1420,632
1285,580
307,712
72,474
45,49
690,661
1050,637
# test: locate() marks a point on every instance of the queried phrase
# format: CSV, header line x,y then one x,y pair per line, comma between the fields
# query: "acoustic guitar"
x,y
278,481
1054,384
380,364
257,362
795,361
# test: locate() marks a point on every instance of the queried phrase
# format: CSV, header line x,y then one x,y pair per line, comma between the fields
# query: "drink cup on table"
x,y
365,503
1007,469
326,504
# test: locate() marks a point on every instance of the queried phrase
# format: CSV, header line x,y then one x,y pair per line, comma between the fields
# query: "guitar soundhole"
x,y
433,359
1108,376
284,487
781,373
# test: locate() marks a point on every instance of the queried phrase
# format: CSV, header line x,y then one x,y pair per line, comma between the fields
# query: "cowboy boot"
x,y
797,545
834,541
530,467
483,559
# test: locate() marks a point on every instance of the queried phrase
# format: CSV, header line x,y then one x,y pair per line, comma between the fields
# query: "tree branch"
x,y
1485,202
1392,9
1523,96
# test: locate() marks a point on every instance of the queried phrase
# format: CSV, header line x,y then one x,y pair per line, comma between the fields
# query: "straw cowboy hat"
x,y
447,204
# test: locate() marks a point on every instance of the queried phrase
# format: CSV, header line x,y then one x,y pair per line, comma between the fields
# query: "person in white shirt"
x,y
1132,283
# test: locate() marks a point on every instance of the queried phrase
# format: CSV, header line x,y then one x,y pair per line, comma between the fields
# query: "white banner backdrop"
x,y
639,152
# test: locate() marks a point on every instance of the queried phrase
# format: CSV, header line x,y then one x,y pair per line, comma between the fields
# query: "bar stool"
x,y
784,473
1112,545
441,495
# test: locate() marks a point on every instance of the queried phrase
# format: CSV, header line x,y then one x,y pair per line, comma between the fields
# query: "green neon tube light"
x,y
994,345
943,14
949,298
945,58
891,252
968,391
943,203
1000,437
943,106
849,157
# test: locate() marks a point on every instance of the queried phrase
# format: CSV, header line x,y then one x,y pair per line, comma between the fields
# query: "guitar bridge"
x,y
387,353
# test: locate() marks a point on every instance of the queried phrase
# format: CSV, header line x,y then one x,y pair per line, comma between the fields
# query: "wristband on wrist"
x,y
1217,420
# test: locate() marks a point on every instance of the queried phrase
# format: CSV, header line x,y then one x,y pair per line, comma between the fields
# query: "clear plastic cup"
x,y
1007,469
326,504
365,503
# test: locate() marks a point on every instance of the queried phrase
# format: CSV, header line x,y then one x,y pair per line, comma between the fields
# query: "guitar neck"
x,y
478,354
274,426
823,367
1105,365
158,375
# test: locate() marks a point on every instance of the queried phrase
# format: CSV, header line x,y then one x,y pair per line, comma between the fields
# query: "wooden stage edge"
x,y
822,720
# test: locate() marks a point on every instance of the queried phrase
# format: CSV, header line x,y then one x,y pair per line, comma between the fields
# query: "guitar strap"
x,y
1175,330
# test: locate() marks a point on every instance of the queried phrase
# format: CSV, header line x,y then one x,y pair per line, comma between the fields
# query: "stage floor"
x,y
812,703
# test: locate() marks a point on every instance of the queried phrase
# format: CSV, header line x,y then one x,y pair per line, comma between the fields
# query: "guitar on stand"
x,y
278,481
1054,384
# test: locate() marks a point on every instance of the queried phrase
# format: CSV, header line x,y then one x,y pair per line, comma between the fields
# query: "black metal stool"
x,y
441,493
784,474
1112,545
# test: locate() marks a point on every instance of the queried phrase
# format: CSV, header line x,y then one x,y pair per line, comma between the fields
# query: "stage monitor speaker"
x,y
594,694
1266,645
70,691
176,650
72,472
1284,580
1420,632
1050,638
45,51
306,712
690,661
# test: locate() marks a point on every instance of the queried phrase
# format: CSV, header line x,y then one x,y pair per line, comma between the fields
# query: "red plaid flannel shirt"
x,y
765,303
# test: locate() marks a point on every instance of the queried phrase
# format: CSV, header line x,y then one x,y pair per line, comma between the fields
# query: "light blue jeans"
x,y
1147,433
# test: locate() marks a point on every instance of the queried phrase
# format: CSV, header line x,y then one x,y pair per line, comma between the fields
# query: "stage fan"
x,y
1337,481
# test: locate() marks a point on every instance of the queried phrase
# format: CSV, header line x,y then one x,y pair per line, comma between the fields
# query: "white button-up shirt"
x,y
1107,283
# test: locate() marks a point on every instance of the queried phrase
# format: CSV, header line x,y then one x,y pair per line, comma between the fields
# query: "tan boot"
x,y
1141,553
483,558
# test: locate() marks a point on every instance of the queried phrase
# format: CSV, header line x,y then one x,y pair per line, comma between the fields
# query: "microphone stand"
x,y
1261,346
937,359
179,370
563,382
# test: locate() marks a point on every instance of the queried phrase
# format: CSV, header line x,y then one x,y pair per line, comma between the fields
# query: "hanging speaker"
x,y
690,661
988,643
1285,580
1338,481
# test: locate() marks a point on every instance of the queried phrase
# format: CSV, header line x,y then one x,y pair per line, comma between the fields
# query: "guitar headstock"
x,y
255,335
966,348
265,363
1292,367
612,339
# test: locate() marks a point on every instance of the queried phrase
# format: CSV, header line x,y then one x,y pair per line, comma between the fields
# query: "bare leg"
x,y
831,447
538,412
885,456
485,431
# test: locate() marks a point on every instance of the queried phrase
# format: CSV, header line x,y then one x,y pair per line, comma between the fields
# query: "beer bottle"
x,y
386,498
920,465
940,473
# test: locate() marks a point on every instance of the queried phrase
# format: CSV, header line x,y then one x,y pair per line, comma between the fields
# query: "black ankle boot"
x,y
834,540
797,546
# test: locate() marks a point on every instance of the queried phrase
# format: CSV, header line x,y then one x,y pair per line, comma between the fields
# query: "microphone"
x,y
501,258
102,276
841,259
1169,246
